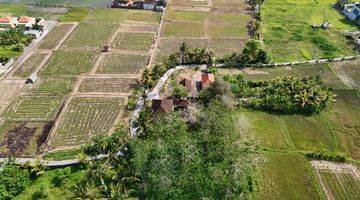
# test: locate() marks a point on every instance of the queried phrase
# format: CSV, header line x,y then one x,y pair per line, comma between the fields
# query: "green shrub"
x,y
13,180
60,176
327,155
41,192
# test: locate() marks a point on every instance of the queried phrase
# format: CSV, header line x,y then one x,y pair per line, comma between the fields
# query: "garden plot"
x,y
30,65
8,91
174,15
287,176
288,34
140,28
183,30
85,118
71,62
339,181
190,2
107,15
122,64
133,41
22,139
54,86
107,85
233,4
225,46
52,40
33,108
90,35
144,16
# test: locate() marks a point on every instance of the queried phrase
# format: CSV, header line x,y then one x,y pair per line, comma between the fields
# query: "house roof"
x,y
6,19
187,83
163,105
25,19
207,79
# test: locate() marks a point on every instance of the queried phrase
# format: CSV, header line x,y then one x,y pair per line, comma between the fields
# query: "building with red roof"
x,y
162,105
8,22
207,79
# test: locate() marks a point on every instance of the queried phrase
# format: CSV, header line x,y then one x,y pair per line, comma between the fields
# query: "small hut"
x,y
32,79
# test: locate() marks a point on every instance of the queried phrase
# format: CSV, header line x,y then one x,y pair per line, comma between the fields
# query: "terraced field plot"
x,y
288,34
123,63
139,28
20,139
30,65
144,16
107,15
33,108
53,38
107,85
287,176
341,185
134,41
54,86
70,63
85,118
182,29
90,35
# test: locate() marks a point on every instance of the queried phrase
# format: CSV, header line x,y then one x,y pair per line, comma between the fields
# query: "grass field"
x,y
33,108
85,118
287,176
19,10
107,15
74,15
122,63
133,41
54,86
183,29
352,69
90,36
145,16
69,63
30,65
52,39
288,34
107,85
341,185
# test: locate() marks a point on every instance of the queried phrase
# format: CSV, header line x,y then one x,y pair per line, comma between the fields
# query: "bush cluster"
x,y
327,155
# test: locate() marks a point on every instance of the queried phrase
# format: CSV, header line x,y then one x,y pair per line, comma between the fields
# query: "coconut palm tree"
x,y
183,49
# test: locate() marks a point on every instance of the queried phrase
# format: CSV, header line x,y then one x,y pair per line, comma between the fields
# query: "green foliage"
x,y
41,192
327,155
254,53
208,161
13,37
60,175
307,95
179,91
13,180
75,15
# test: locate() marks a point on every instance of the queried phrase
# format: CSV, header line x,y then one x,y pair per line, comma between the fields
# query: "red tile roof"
x,y
181,102
163,105
207,79
187,84
24,19
6,19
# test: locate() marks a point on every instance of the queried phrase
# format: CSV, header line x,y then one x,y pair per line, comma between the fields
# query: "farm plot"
x,y
140,28
144,16
85,118
22,139
133,41
229,25
90,35
70,63
107,85
287,176
190,2
288,34
33,108
30,65
107,15
351,68
52,39
341,185
183,29
174,15
123,63
54,86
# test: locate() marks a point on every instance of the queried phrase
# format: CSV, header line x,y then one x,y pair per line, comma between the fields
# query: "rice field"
x,y
90,35
134,41
52,39
30,65
107,85
33,108
287,176
123,64
68,63
85,118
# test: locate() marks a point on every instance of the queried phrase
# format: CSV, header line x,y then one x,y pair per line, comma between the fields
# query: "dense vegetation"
x,y
289,95
12,42
327,155
13,180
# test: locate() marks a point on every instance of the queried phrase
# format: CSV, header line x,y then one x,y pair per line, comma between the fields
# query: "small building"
x,y
207,79
8,22
26,22
187,83
106,48
162,105
149,4
181,103
352,12
32,79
